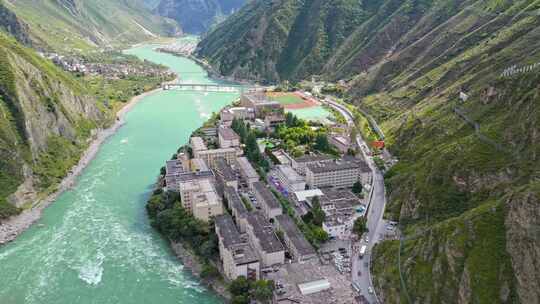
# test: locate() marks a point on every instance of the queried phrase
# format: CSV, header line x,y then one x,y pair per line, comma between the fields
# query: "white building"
x,y
228,114
228,138
201,199
197,144
290,179
265,241
338,174
238,257
210,156
267,201
247,171
300,163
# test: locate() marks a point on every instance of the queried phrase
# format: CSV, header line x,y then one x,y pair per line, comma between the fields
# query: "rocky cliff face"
x,y
197,16
46,122
13,26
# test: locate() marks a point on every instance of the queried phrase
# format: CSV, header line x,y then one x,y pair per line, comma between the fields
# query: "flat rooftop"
x,y
312,158
264,233
338,165
189,176
269,198
303,195
173,167
337,195
228,133
224,169
234,200
290,229
228,233
364,167
197,144
290,174
246,167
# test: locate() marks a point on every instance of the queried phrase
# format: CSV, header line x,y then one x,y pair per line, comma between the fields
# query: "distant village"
x,y
259,212
118,69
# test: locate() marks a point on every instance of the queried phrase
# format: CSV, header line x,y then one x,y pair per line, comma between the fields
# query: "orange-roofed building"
x,y
379,144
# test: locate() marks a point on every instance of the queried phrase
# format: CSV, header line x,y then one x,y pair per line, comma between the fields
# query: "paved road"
x,y
375,214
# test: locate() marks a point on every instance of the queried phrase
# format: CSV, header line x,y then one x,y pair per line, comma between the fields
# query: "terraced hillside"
x,y
46,120
74,25
466,188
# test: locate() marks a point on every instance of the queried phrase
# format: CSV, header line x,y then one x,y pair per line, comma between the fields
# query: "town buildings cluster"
x,y
111,70
255,234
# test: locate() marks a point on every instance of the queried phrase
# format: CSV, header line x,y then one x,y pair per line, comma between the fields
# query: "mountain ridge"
x,y
467,171
197,16
74,25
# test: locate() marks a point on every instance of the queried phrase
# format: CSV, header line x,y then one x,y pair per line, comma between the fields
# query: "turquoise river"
x,y
94,244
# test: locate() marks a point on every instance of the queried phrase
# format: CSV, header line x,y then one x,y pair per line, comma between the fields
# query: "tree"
x,y
241,299
317,212
262,290
357,187
321,142
209,271
319,235
252,149
360,226
239,287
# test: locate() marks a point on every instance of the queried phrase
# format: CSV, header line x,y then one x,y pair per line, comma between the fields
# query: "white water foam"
x,y
92,271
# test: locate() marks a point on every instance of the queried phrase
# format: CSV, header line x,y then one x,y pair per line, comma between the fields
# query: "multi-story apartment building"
x,y
238,256
238,209
260,104
201,198
228,114
300,163
197,144
338,174
290,179
269,204
247,171
299,248
228,138
225,175
265,241
210,156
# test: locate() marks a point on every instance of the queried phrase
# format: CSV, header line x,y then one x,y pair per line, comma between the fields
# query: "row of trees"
x,y
244,290
249,138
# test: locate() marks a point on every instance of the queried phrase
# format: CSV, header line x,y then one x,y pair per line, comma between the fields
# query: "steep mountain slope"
x,y
466,187
66,24
10,24
46,119
270,40
197,16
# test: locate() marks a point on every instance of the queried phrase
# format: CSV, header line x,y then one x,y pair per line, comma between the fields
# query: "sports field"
x,y
292,100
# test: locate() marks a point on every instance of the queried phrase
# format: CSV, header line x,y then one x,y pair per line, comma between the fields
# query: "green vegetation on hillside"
x,y
76,25
406,65
47,115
